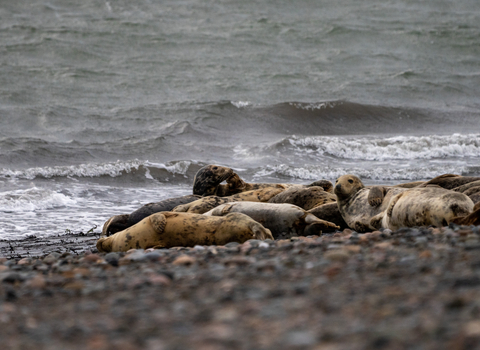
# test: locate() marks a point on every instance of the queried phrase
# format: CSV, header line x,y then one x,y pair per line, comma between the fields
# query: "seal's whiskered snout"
x,y
338,188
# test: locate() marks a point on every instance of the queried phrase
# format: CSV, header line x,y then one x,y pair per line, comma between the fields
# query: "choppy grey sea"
x,y
109,105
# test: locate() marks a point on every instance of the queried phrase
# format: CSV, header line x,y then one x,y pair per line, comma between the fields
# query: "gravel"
x,y
415,288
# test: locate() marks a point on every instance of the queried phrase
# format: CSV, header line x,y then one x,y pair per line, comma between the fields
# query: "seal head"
x,y
347,186
209,178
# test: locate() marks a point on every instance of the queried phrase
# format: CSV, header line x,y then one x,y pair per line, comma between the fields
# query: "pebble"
x,y
184,260
37,281
92,258
339,255
300,339
135,255
159,279
263,245
51,258
153,256
112,258
24,261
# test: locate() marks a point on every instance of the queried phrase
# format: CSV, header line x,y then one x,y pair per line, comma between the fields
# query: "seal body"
x,y
205,204
304,197
168,229
451,181
426,206
120,222
358,204
283,220
467,186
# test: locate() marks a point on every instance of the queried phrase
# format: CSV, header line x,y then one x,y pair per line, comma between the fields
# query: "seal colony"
x,y
217,213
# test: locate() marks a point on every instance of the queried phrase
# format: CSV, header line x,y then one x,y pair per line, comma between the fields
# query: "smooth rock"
x,y
184,260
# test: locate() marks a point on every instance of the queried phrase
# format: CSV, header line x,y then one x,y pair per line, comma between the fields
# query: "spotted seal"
x,y
208,179
467,186
304,197
283,220
205,204
451,181
168,229
208,182
120,222
424,206
359,204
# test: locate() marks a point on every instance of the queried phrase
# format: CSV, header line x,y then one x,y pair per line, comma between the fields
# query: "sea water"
x,y
109,105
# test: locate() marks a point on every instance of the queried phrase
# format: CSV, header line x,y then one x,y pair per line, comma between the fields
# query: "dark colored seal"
x,y
208,179
208,182
121,222
451,181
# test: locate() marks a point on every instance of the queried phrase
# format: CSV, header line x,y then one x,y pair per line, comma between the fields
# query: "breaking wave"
x,y
398,147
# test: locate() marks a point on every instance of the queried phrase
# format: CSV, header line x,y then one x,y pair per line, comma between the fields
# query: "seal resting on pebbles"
x,y
120,222
359,204
205,204
425,206
304,197
283,220
168,229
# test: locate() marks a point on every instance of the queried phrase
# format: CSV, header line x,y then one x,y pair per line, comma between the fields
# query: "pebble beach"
x,y
415,288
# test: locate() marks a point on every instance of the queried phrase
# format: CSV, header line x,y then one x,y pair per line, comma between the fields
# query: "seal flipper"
x,y
183,208
315,226
159,221
376,195
226,209
325,184
319,227
100,246
376,221
392,203
472,219
360,227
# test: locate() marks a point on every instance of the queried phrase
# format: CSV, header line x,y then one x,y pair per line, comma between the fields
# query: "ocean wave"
x,y
113,169
399,147
33,199
316,172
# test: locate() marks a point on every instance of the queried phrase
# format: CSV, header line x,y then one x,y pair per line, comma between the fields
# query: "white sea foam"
x,y
314,106
399,147
112,169
33,199
81,170
240,104
180,167
316,172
